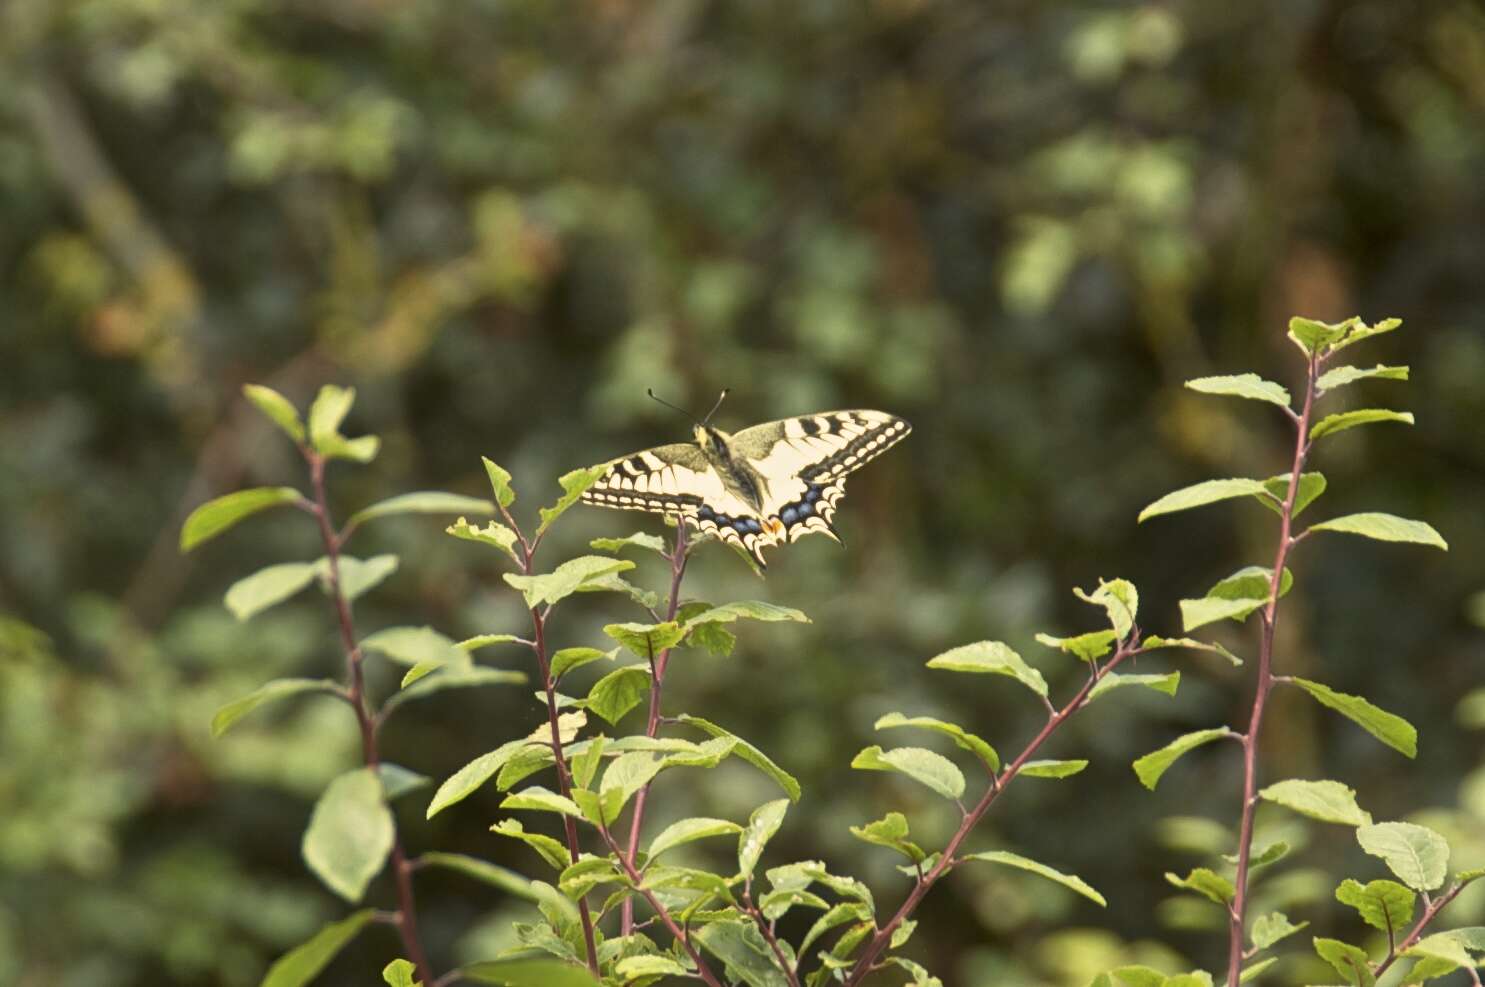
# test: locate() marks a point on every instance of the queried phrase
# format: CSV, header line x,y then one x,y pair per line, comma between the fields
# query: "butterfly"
x,y
764,485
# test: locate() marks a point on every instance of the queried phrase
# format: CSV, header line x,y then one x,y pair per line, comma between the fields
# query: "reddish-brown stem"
x,y
791,973
1265,682
658,664
1430,912
702,970
883,936
407,914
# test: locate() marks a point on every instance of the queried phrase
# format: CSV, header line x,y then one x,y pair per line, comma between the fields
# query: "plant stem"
x,y
791,973
1265,682
1429,914
879,942
657,679
407,915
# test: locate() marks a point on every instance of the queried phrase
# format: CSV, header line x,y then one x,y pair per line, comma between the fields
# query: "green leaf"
x,y
639,539
650,965
1205,882
1119,599
1016,860
619,691
1271,928
991,657
303,963
1085,647
573,484
891,831
1155,642
1199,613
253,594
1349,961
1416,854
762,824
586,762
1350,419
1272,853
839,914
775,904
1327,801
1052,769
1390,729
551,851
528,973
745,955
229,714
563,581
350,833
1384,905
923,766
485,640
1384,527
686,830
715,638
277,408
1314,337
1201,494
357,576
216,516
1251,583
422,502
415,645
1167,683
499,483
503,878
567,659
630,772
327,412
1341,376
400,973
468,779
958,734
1249,386
1311,486
1150,767
647,640
1444,952
586,874
749,609
448,678
493,533
398,781
537,799
748,753
1357,331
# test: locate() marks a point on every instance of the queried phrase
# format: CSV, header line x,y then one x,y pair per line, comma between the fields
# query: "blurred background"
x,y
1020,225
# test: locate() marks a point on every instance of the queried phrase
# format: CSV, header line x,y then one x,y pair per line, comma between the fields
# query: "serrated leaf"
x,y
412,646
553,852
1314,337
468,779
586,874
1251,583
218,515
649,965
253,594
1201,494
1199,613
647,640
493,533
1384,527
687,830
762,824
1085,647
1359,331
538,799
1205,882
639,539
745,955
573,484
935,771
840,914
891,831
1311,486
277,408
1384,905
1024,863
1341,376
568,659
619,691
1271,928
746,609
715,638
563,581
359,576
500,486
1350,419
422,502
303,963
1349,961
1447,951
1119,599
1390,729
1150,767
400,973
1327,801
528,973
958,734
1416,854
1250,386
568,725
1272,853
1166,684
991,657
748,753
1052,769
229,714
775,904
350,833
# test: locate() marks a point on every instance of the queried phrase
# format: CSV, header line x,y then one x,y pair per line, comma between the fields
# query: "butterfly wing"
x,y
677,480
804,462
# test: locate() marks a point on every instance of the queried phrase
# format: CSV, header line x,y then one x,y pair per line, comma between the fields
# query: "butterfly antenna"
x,y
720,398
672,407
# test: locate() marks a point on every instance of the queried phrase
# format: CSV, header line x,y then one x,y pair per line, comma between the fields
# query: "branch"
x,y
879,942
790,972
1266,682
1429,914
406,918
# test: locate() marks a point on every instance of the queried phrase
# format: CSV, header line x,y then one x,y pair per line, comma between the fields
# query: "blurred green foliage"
x,y
1019,225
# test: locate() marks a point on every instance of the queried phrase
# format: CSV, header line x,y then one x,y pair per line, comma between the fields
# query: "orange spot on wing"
x,y
774,526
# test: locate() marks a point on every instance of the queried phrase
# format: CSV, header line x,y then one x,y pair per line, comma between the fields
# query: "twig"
x,y
879,942
407,915
1265,682
766,929
1430,912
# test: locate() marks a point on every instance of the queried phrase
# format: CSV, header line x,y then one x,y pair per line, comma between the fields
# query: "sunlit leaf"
x,y
1384,527
1351,962
1390,729
573,484
1350,419
253,594
1249,386
1416,854
686,830
422,502
1150,767
619,691
1205,882
639,539
1343,375
303,963
216,516
992,657
748,753
277,408
229,714
350,833
1327,801
958,734
1271,928
563,581
923,766
1016,860
1201,494
1053,769
762,824
1384,905
1166,684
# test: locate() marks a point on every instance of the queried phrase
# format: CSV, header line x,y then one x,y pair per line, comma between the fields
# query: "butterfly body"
x,y
764,485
